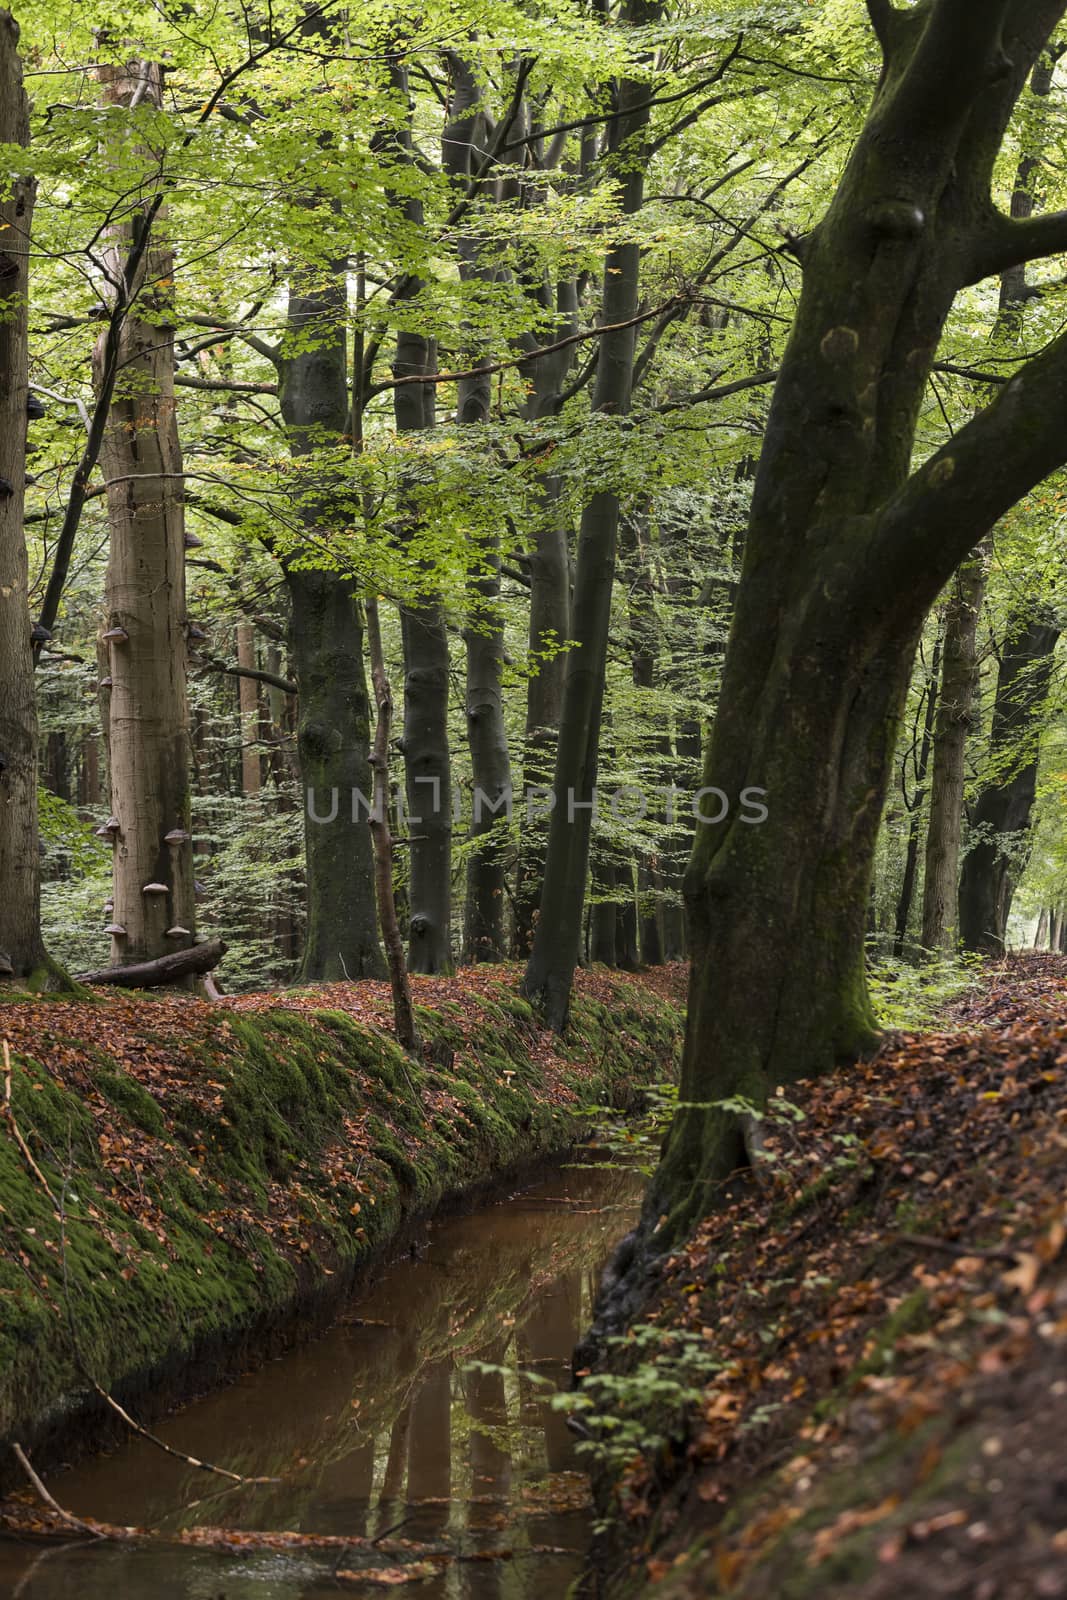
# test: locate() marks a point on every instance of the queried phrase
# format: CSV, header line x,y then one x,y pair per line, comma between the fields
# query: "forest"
x,y
533,540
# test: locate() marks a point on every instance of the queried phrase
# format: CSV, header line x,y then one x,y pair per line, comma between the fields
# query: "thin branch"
x,y
490,367
757,380
221,386
970,373
16,1132
49,1500
63,400
271,678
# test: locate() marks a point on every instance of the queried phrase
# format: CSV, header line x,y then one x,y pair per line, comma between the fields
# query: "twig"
x,y
109,1399
378,1537
49,1500
926,1241
9,1115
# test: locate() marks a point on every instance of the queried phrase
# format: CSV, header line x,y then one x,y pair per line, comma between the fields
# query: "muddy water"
x,y
380,1430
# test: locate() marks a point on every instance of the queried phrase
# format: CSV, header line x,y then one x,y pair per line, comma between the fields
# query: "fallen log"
x,y
165,969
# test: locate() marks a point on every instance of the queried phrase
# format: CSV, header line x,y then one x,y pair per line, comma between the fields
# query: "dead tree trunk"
x,y
145,633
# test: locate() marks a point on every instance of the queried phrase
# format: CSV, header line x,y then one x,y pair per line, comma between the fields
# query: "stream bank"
x,y
850,1382
211,1179
415,1440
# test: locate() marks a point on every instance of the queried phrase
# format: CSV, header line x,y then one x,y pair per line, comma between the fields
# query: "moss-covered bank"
x,y
218,1174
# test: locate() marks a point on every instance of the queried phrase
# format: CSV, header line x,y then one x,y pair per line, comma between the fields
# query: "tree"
x,y
557,938
21,946
154,910
952,724
847,548
1001,819
427,756
333,730
483,933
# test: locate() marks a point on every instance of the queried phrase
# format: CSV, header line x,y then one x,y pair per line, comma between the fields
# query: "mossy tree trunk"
x,y
845,553
146,621
327,651
1001,820
21,948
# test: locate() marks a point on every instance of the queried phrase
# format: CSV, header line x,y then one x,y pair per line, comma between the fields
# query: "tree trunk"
x,y
627,952
557,938
248,700
1042,929
145,634
922,763
173,968
846,551
333,744
407,1031
951,728
549,630
427,759
1001,821
333,708
21,949
603,921
483,932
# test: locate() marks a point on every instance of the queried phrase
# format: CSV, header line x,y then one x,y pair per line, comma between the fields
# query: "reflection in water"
x,y
378,1430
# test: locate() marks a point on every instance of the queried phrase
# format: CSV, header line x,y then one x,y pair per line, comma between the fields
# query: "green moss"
x,y
128,1096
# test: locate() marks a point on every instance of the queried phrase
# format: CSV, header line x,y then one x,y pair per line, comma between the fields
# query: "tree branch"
x,y
490,367
883,17
1004,243
270,678
221,386
941,513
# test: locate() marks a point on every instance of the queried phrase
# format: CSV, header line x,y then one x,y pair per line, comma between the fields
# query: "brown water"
x,y
377,1424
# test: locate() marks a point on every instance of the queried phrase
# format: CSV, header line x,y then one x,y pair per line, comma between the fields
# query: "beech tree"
x,y
1001,817
847,547
557,937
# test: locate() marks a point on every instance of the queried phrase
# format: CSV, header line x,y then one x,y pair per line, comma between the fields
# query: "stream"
x,y
379,1430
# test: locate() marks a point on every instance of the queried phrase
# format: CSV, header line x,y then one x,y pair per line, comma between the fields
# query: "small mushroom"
x,y
6,969
105,683
34,408
177,933
116,930
109,905
192,542
176,836
6,488
194,631
109,829
40,634
115,635
155,888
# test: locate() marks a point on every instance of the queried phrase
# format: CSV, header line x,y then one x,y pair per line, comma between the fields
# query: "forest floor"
x,y
875,1339
185,1187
